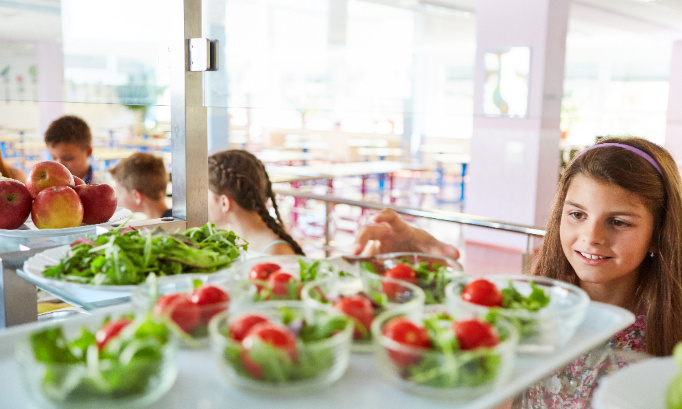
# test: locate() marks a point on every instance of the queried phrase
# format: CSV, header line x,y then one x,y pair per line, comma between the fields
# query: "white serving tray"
x,y
201,385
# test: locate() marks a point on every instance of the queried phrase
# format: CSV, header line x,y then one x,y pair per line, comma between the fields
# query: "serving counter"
x,y
200,384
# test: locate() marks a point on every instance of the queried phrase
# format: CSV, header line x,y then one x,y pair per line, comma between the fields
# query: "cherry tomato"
x,y
110,330
482,292
181,310
279,283
473,334
360,309
211,299
406,332
400,272
240,326
275,335
262,271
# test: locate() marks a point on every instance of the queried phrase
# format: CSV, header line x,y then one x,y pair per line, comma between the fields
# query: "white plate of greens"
x,y
115,261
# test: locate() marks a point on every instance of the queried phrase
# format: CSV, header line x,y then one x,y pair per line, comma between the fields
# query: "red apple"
x,y
99,202
57,207
15,203
48,173
78,181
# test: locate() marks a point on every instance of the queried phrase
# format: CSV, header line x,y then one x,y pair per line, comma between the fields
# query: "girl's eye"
x,y
576,215
620,223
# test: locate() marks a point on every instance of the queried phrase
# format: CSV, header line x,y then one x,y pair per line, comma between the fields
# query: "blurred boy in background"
x,y
69,142
141,181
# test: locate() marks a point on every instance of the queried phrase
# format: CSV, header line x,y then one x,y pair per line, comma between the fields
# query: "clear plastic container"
x,y
382,293
307,368
255,289
190,318
541,331
455,375
433,272
135,378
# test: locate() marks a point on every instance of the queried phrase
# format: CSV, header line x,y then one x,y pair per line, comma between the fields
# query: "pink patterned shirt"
x,y
573,386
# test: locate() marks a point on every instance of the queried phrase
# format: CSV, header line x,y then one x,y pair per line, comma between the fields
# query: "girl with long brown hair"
x,y
239,191
615,230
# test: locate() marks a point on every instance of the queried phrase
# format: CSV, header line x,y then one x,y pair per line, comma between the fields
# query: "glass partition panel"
x,y
338,70
106,62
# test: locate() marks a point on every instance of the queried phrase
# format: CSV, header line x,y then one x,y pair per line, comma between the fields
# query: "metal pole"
x,y
189,149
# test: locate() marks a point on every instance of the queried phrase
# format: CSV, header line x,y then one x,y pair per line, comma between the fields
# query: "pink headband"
x,y
628,147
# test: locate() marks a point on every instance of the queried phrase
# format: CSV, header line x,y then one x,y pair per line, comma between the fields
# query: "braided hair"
x,y
241,176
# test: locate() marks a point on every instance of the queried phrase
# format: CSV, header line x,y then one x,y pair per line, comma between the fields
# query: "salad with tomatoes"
x,y
485,293
127,359
362,299
439,356
283,345
185,304
281,277
431,273
126,256
545,312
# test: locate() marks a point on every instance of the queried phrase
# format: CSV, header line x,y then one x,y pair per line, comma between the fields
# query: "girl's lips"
x,y
592,259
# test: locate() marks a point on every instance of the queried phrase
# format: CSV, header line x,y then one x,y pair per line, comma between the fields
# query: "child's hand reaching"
x,y
388,233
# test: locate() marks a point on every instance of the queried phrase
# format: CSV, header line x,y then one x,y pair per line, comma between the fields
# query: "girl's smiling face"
x,y
605,232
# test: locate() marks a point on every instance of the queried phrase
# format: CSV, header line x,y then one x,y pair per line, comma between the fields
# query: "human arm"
x,y
18,174
389,233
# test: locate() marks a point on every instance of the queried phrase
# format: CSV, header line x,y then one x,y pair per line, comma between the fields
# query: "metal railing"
x,y
442,215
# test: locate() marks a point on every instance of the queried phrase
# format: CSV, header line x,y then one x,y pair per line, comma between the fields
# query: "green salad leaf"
x,y
127,257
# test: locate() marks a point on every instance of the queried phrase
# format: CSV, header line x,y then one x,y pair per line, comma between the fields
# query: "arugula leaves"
x,y
127,257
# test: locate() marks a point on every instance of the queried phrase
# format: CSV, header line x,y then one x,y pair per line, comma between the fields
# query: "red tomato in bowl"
x,y
400,272
240,326
180,309
262,271
110,330
482,292
279,283
275,335
472,334
211,300
406,332
361,310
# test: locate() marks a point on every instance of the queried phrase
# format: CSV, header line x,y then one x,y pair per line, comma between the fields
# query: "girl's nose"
x,y
593,232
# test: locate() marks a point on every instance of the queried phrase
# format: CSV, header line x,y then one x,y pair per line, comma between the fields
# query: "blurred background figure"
x,y
69,142
238,195
141,182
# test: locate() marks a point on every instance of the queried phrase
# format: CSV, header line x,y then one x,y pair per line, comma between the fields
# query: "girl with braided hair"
x,y
238,194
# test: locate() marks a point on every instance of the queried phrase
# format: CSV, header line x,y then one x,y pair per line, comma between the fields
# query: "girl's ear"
x,y
225,203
